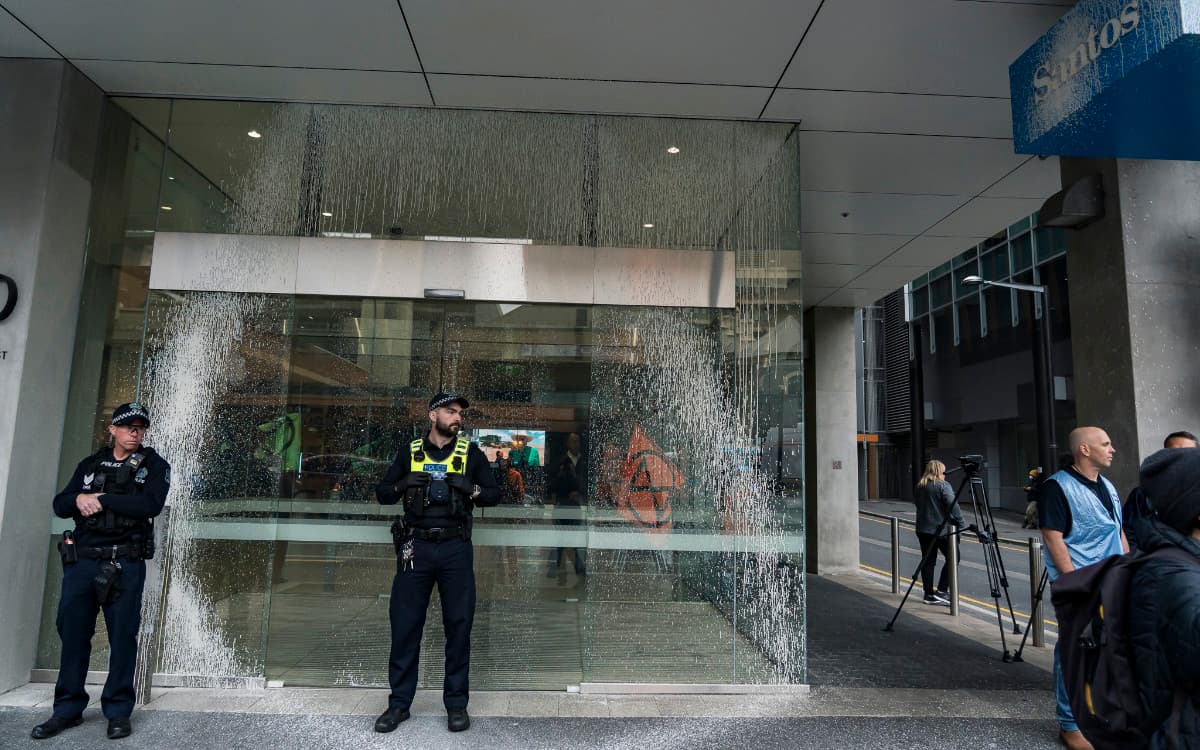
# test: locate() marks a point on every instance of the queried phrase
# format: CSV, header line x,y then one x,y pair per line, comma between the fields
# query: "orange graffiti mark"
x,y
647,479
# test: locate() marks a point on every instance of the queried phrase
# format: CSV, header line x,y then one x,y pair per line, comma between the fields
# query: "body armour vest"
x,y
111,477
438,493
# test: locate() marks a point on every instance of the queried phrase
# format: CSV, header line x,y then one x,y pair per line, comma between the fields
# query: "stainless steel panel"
x,y
224,263
664,278
404,269
360,268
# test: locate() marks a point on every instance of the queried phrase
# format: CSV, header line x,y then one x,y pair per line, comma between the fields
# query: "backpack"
x,y
1096,650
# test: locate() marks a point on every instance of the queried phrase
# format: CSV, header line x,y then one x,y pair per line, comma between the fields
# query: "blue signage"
x,y
1113,78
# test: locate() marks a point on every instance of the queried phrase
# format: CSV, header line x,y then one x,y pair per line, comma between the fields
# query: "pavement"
x,y
935,681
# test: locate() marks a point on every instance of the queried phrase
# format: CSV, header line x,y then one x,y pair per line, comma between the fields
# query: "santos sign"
x,y
1113,78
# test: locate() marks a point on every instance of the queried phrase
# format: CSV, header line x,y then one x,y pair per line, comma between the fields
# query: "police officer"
x,y
439,478
112,497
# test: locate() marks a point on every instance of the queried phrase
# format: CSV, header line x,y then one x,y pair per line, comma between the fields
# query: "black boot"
x,y
118,728
457,720
53,726
390,719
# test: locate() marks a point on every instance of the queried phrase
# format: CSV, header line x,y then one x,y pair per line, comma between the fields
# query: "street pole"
x,y
1043,385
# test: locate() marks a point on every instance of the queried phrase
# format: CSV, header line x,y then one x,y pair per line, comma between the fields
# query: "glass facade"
x,y
681,559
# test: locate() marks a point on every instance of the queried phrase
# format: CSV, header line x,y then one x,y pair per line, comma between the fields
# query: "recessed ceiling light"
x,y
326,214
172,179
647,226
165,208
673,150
254,134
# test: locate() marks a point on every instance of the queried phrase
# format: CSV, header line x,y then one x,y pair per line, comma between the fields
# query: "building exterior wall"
x,y
49,122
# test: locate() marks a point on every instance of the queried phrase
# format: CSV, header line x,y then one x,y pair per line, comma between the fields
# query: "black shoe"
x,y
457,720
53,726
390,719
118,728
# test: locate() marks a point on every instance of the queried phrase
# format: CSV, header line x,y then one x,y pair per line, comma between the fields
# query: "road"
x,y
975,595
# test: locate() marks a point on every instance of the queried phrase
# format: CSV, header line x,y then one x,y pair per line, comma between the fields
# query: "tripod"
x,y
1037,600
984,530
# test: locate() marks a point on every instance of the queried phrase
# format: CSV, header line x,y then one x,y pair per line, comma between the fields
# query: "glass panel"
x,y
1022,253
1018,227
940,291
920,301
1051,243
970,268
108,341
994,264
965,258
920,281
279,412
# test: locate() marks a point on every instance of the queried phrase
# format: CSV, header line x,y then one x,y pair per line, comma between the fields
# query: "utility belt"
x,y
107,581
140,547
402,532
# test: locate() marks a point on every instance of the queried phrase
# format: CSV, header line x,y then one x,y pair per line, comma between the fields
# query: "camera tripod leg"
x,y
913,579
1037,602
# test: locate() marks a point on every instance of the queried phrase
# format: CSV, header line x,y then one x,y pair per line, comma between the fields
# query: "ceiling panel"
x,y
872,213
892,113
830,274
234,82
18,41
612,97
850,297
365,34
985,216
927,252
918,46
877,163
859,249
1036,178
886,277
695,41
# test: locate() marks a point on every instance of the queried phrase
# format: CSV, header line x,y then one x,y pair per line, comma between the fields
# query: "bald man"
x,y
1080,515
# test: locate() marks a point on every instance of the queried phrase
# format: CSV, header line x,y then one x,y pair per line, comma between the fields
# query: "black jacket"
x,y
477,472
146,495
1165,628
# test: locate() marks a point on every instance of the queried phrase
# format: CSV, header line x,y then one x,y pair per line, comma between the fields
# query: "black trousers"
x,y
942,543
77,610
449,564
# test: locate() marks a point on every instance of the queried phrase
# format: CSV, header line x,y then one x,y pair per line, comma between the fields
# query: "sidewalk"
x,y
932,683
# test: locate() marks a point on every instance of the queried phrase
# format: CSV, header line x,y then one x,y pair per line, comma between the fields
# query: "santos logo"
x,y
1049,78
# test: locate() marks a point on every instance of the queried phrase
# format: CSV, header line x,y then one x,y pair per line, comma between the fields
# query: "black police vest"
x,y
437,500
116,480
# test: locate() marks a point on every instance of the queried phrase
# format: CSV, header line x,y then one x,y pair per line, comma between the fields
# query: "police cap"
x,y
445,399
126,413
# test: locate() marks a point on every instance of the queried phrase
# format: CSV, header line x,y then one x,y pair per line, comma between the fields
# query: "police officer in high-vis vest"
x,y
439,479
112,497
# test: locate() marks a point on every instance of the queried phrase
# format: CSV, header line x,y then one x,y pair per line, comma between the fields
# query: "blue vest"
x,y
1095,534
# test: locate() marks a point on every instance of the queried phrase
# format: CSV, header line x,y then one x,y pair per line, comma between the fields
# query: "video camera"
x,y
972,463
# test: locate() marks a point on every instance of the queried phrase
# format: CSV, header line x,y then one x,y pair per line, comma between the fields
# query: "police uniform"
x,y
104,569
433,545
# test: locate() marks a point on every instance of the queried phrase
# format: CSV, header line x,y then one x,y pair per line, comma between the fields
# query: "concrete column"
x,y
1135,319
49,122
831,418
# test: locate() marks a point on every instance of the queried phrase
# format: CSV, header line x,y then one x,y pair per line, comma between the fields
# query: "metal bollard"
x,y
952,561
895,555
1036,566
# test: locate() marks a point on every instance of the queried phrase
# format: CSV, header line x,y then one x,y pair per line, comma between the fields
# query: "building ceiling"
x,y
906,142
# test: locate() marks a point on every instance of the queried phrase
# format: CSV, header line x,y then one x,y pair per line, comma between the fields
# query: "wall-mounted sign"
x,y
10,296
1113,78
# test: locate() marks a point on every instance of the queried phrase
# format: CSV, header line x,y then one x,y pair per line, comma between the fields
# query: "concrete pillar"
x,y
1135,318
49,123
831,479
